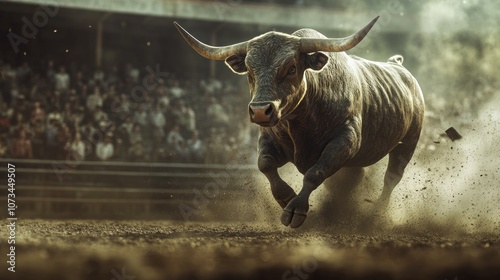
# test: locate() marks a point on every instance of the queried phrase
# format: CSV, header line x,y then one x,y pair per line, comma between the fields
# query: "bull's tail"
x,y
396,59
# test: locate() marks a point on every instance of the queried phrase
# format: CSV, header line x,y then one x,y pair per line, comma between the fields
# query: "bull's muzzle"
x,y
263,113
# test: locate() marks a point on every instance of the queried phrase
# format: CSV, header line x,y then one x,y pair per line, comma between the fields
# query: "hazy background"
x,y
451,47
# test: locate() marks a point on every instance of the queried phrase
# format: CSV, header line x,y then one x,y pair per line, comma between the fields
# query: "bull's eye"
x,y
292,70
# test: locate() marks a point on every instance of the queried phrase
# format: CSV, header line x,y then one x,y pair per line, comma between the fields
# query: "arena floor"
x,y
91,249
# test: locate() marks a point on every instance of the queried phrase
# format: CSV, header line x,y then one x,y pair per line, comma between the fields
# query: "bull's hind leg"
x,y
344,181
399,158
341,186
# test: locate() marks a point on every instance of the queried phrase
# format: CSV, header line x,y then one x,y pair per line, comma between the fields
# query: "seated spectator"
x,y
128,124
182,152
38,139
21,146
183,115
110,99
77,118
105,150
17,122
162,95
132,73
196,148
4,122
211,86
91,135
174,136
176,91
100,115
137,153
216,114
158,122
94,100
4,149
63,140
37,113
79,80
67,113
122,144
77,148
61,80
141,116
136,134
51,139
54,115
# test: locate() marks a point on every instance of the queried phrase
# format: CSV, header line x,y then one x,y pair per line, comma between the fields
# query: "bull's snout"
x,y
263,113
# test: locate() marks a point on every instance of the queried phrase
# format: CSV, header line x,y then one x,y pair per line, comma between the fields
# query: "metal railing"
x,y
91,189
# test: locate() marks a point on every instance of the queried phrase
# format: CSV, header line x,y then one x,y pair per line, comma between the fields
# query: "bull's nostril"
x,y
269,111
251,112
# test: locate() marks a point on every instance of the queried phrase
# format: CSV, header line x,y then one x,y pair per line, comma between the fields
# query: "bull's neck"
x,y
328,95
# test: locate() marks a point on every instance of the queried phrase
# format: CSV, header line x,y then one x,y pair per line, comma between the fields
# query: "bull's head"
x,y
275,64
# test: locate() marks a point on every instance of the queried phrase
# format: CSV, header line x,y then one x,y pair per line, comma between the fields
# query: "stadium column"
x,y
98,47
213,42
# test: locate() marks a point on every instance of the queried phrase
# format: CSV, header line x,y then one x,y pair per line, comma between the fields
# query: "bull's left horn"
x,y
308,45
211,52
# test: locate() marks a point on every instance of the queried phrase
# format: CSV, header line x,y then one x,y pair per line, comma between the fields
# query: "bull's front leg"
x,y
336,153
271,157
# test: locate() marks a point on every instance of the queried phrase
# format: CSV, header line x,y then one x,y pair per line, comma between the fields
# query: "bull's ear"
x,y
316,61
237,64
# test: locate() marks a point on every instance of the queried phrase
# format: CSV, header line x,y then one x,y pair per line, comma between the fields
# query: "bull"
x,y
325,111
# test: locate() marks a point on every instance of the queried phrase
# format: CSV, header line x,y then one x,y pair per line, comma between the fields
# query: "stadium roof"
x,y
241,13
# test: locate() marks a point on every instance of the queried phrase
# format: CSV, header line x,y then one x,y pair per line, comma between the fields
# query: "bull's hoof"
x,y
295,213
294,220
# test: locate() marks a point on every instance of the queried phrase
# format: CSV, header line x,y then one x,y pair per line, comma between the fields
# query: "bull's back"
x,y
392,108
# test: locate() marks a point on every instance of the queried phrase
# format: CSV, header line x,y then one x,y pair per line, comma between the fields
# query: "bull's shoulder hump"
x,y
309,33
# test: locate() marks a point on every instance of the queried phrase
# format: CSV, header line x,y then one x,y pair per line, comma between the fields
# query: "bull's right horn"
x,y
309,45
211,52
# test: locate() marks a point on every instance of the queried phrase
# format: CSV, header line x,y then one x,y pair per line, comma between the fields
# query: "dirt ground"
x,y
90,249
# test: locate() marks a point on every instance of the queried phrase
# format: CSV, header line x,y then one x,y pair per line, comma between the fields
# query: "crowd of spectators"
x,y
71,114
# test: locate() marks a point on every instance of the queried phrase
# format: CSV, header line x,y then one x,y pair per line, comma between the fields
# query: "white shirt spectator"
x,y
141,117
100,115
190,119
176,91
128,125
132,73
77,149
62,80
104,150
174,137
54,115
158,119
94,100
216,113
